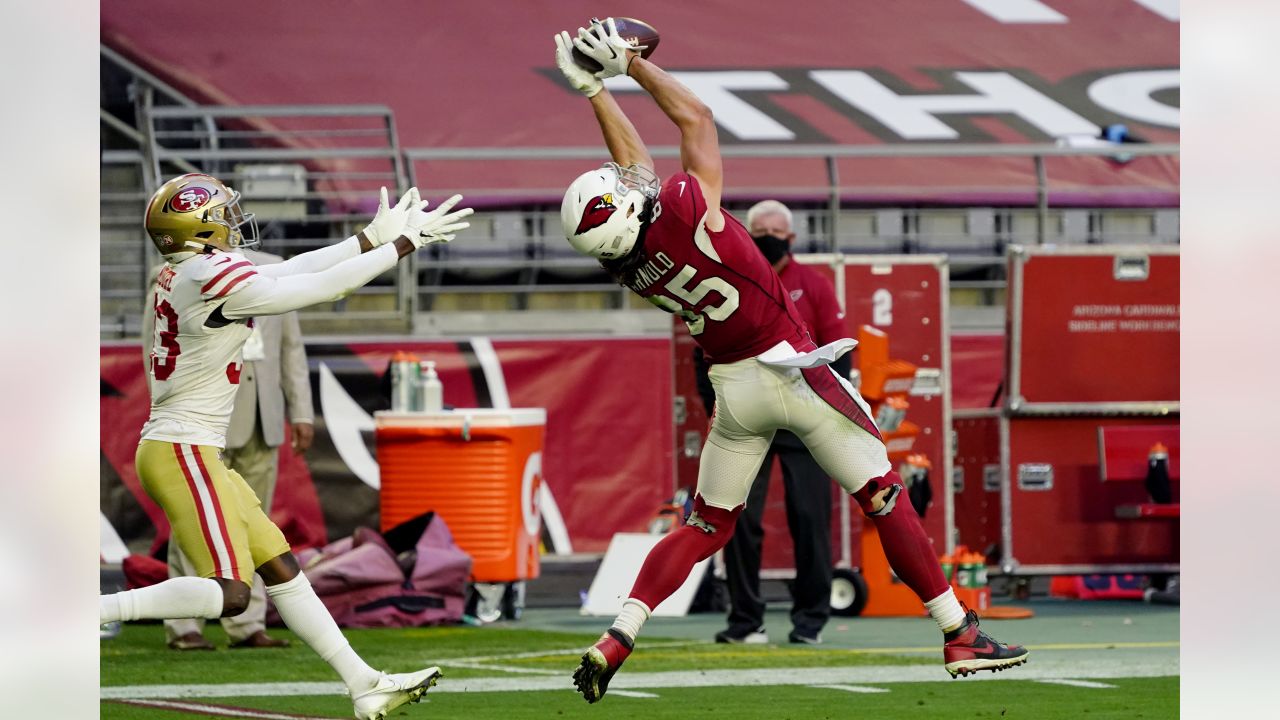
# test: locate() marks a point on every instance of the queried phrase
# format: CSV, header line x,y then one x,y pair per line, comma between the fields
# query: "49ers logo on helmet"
x,y
597,213
190,199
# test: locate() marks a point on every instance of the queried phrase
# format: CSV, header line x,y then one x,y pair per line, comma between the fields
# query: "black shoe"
x,y
600,663
737,636
805,637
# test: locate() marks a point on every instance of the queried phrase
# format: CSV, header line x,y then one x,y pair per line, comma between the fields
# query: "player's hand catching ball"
x,y
389,223
603,44
581,80
439,225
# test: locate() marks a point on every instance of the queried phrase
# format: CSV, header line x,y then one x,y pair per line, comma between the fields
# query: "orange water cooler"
x,y
480,470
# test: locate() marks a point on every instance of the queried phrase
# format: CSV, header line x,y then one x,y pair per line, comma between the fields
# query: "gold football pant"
x,y
215,517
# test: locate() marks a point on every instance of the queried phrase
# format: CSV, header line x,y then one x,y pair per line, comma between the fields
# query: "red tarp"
x,y
483,76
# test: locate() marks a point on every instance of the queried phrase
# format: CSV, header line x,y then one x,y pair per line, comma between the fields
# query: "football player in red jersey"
x,y
670,243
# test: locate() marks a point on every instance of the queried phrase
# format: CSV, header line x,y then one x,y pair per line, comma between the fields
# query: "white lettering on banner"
x,y
1018,11
1153,318
1167,9
741,119
1129,94
1035,11
918,115
914,116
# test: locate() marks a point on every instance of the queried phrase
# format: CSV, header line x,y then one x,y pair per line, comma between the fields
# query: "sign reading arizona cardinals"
x,y
598,212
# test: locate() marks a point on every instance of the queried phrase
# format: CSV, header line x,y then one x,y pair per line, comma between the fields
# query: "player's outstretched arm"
x,y
620,136
387,225
699,143
267,295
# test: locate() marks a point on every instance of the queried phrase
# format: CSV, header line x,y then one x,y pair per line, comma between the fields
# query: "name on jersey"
x,y
652,271
165,279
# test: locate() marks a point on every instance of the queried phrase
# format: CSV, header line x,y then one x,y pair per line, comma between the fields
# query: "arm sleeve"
x,y
314,261
148,329
265,295
295,379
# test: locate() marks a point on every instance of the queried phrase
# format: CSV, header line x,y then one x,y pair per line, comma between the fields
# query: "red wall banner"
x,y
607,458
827,72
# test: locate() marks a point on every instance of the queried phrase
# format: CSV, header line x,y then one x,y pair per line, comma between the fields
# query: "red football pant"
x,y
906,545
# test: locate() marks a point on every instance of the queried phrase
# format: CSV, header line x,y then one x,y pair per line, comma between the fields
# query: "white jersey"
x,y
194,368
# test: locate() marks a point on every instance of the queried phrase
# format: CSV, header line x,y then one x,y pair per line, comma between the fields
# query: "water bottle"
x,y
432,389
404,382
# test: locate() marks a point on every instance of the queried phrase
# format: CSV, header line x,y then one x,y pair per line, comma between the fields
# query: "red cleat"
x,y
599,664
966,650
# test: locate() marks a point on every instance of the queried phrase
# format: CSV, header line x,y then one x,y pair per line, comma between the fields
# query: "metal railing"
x,y
340,155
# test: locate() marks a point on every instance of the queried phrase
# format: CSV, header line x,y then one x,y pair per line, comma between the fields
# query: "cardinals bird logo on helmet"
x,y
597,213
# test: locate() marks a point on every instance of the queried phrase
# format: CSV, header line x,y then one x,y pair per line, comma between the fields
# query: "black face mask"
x,y
773,247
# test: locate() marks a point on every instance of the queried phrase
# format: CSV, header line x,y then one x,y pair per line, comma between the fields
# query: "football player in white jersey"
x,y
205,302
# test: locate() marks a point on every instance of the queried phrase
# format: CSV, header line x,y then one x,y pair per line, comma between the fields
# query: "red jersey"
x,y
815,299
718,282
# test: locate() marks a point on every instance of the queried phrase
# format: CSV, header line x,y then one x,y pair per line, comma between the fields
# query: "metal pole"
x,y
1042,200
149,170
407,280
833,219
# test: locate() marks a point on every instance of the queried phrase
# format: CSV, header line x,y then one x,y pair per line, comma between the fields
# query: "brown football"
x,y
636,32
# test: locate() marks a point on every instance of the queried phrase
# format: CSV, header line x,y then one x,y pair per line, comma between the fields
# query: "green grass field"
x,y
517,670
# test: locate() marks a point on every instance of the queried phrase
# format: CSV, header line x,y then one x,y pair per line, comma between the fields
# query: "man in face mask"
x,y
807,487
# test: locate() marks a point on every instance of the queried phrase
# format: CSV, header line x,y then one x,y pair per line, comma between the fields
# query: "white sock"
x,y
632,618
302,611
946,610
175,598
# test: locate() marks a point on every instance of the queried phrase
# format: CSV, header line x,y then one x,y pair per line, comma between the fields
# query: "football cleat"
x,y
599,664
966,650
392,691
736,637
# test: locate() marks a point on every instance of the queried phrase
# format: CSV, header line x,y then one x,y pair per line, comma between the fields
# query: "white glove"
x,y
581,80
603,44
439,225
388,224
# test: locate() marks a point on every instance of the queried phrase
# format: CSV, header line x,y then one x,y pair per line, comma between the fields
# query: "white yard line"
x,y
1103,666
632,693
851,688
1077,683
504,668
216,711
564,651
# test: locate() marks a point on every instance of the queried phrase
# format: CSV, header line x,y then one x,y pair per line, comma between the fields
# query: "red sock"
x,y
670,561
906,545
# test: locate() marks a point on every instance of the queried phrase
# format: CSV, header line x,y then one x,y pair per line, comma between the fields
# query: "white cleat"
x,y
392,691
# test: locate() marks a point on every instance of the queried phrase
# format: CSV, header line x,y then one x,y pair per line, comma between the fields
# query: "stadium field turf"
x,y
514,671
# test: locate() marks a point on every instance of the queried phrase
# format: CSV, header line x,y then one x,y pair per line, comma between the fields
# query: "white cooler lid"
x,y
472,417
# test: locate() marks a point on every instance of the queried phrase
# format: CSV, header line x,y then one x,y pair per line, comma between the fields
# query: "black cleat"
x,y
599,664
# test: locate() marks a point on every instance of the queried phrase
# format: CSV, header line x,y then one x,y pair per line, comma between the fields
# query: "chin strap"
x,y
200,247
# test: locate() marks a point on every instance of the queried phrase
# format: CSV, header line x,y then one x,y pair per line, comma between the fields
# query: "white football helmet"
x,y
601,210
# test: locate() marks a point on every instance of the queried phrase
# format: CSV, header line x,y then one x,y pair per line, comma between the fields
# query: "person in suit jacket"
x,y
274,386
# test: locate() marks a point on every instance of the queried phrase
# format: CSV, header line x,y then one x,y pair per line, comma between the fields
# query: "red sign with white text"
x,y
1096,330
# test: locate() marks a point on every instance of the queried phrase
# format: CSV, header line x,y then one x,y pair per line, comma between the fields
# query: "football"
x,y
636,32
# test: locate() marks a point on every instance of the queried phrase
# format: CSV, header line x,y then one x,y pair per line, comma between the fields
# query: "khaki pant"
x,y
257,464
753,400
